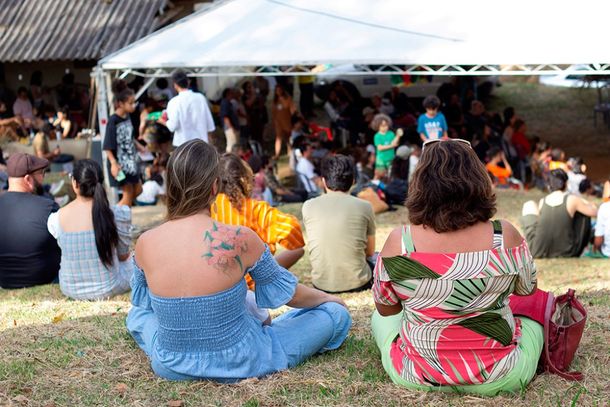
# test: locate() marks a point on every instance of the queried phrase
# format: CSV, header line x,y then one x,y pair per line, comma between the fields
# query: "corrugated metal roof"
x,y
38,30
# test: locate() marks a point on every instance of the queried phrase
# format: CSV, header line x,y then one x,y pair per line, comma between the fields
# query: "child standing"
x,y
385,143
432,125
120,145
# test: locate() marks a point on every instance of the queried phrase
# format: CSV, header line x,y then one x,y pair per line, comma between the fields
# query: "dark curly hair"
x,y
236,179
450,189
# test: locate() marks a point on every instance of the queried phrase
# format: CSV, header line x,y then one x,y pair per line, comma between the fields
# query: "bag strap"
x,y
548,314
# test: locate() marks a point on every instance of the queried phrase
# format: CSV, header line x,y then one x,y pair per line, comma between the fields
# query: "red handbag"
x,y
563,319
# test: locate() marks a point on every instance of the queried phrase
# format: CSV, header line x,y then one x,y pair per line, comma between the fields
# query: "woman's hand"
x,y
115,168
334,298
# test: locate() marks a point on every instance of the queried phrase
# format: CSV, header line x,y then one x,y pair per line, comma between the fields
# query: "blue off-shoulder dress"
x,y
214,337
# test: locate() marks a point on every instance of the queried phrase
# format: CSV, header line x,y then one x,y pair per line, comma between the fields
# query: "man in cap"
x,y
29,255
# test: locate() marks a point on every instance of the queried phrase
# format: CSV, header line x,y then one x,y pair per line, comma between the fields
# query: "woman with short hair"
x,y
94,238
441,284
189,310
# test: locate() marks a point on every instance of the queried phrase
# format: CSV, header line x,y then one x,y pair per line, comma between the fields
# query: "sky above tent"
x,y
248,33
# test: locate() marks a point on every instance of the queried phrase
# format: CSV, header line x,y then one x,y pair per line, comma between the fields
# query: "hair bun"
x,y
118,85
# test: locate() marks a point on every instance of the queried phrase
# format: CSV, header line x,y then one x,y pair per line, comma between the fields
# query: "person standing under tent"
x,y
120,145
188,115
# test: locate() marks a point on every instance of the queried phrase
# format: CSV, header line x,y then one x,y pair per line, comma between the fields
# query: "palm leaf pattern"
x,y
403,268
490,324
447,296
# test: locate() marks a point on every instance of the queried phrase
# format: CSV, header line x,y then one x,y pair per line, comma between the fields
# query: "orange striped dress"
x,y
271,225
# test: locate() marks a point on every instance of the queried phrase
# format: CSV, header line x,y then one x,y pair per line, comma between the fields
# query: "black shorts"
x,y
129,179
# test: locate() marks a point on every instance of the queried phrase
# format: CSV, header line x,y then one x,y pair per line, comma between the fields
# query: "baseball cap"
x,y
19,165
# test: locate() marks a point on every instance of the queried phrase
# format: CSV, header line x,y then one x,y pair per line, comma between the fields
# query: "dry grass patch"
x,y
55,351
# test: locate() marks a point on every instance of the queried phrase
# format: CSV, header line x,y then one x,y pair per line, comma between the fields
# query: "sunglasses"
x,y
438,140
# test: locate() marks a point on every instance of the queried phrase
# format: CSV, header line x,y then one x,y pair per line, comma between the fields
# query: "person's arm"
x,y
598,243
370,231
444,126
583,206
386,300
172,122
291,106
388,147
142,126
381,147
227,123
370,246
288,258
506,164
306,297
115,167
600,228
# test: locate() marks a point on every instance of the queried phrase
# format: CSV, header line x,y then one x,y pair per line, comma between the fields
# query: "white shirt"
x,y
189,117
602,227
305,170
574,181
150,190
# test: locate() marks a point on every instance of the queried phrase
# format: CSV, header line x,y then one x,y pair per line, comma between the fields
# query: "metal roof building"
x,y
55,30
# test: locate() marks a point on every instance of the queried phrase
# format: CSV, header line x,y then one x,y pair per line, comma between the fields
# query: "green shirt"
x,y
385,157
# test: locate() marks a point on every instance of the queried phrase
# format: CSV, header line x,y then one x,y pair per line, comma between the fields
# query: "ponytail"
x,y
104,226
89,177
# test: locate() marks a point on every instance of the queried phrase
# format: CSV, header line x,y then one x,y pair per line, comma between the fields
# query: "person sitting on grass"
x,y
280,192
560,224
432,125
29,255
234,205
189,294
340,231
94,238
500,170
42,149
441,284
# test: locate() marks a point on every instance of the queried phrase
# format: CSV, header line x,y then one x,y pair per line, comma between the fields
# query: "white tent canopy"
x,y
235,37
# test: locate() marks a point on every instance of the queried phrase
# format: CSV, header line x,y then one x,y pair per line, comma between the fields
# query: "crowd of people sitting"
x,y
202,282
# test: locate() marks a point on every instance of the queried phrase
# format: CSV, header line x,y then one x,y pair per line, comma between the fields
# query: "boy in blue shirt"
x,y
432,125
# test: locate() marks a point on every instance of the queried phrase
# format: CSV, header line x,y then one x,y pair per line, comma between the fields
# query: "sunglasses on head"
x,y
438,140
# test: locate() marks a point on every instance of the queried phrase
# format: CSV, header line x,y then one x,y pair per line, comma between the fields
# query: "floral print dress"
x,y
457,327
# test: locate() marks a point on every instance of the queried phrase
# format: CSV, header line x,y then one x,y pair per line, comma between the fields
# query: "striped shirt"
x,y
271,225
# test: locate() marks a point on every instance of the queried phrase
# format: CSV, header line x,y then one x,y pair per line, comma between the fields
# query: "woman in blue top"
x,y
94,238
189,294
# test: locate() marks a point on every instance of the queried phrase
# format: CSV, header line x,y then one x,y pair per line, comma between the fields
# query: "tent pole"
x,y
102,81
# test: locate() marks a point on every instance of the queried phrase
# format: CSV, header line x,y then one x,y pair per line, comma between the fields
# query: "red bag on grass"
x,y
563,319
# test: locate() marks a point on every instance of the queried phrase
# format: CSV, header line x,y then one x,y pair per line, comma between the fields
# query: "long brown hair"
x,y
236,179
451,189
192,171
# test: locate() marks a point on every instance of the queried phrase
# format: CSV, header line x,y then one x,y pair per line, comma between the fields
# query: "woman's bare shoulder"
x,y
512,237
392,245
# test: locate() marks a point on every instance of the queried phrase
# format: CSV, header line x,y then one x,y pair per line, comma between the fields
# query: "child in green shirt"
x,y
385,143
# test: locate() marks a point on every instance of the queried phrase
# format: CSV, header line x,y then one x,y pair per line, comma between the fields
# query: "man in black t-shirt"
x,y
29,255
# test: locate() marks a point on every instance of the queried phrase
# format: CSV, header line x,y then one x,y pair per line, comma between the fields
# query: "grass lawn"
x,y
59,352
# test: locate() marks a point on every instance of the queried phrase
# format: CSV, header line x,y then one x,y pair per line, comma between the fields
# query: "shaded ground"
x,y
561,116
59,352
